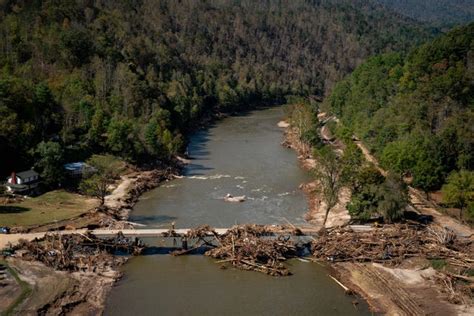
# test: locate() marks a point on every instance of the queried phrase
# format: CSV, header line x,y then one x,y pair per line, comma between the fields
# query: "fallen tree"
x,y
391,244
78,252
244,248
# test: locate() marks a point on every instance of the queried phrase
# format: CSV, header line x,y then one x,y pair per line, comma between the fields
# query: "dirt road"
x,y
421,204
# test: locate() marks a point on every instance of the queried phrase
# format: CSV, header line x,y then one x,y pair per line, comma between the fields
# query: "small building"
x,y
77,169
25,182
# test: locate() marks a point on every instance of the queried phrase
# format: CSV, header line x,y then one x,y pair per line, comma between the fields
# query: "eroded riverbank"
x,y
378,264
241,155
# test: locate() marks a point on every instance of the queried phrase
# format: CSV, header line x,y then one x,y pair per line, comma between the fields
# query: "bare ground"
x,y
407,290
57,292
396,291
80,293
339,215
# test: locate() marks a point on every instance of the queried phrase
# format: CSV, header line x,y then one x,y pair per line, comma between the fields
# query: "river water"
x,y
240,155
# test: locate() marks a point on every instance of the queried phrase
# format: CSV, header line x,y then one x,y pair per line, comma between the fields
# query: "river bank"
x,y
65,274
209,178
406,288
339,215
82,292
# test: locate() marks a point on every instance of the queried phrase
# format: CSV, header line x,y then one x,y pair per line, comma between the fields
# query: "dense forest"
x,y
415,111
130,78
442,13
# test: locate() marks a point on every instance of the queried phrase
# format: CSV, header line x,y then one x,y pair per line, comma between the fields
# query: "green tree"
x,y
393,199
365,184
427,174
351,162
46,111
459,190
328,174
152,132
364,203
50,161
106,169
98,128
399,156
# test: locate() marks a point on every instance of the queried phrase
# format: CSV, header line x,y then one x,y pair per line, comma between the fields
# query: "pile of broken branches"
x,y
244,248
78,252
392,244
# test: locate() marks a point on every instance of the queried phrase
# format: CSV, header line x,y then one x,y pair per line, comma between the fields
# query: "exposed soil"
x,y
68,273
339,215
408,285
9,288
82,291
389,267
116,209
58,292
421,204
395,291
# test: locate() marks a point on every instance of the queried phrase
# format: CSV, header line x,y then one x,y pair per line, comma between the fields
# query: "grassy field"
x,y
49,207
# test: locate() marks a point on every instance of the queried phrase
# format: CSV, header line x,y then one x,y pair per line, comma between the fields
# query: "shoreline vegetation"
x,y
367,279
401,287
94,81
82,290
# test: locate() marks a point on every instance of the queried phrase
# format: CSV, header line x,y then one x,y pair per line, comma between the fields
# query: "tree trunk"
x,y
326,216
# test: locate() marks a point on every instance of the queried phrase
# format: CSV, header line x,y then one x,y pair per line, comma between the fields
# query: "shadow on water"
x,y
152,219
198,152
158,282
6,209
156,250
196,170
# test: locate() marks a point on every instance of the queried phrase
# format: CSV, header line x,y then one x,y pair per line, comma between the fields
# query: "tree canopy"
x,y
133,77
415,111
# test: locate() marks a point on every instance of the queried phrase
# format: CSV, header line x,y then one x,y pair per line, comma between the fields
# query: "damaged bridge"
x,y
12,239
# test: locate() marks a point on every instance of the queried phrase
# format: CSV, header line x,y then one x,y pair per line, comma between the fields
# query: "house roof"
x,y
27,174
75,166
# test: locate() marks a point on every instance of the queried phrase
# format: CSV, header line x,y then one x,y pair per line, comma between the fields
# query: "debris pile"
x,y
243,247
149,181
391,244
78,252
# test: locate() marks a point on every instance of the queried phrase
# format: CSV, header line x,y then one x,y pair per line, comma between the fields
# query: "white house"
x,y
23,182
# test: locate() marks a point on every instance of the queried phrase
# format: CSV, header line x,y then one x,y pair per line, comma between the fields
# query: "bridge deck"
x,y
6,239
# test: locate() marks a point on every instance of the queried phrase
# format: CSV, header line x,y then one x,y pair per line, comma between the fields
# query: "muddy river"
x,y
241,156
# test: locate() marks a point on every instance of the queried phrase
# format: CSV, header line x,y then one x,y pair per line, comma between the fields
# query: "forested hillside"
x,y
415,112
437,12
131,77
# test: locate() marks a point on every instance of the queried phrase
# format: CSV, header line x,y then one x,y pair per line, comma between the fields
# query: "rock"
x,y
230,198
283,124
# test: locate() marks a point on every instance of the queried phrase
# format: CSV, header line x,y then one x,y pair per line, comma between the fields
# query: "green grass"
x,y
438,264
25,290
47,208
